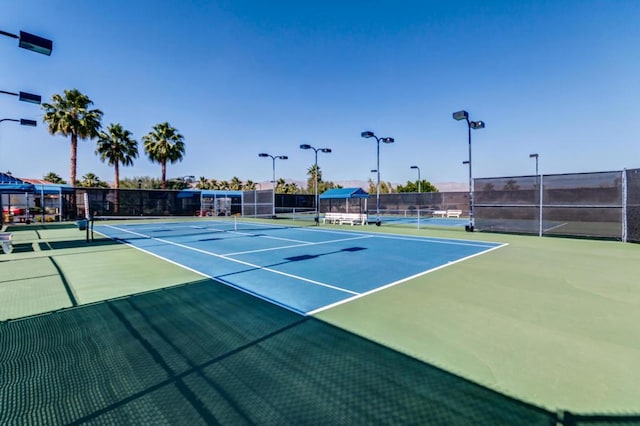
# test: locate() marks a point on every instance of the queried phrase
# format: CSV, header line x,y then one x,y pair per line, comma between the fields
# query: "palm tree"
x,y
203,183
235,184
117,147
163,144
311,181
54,178
69,115
91,180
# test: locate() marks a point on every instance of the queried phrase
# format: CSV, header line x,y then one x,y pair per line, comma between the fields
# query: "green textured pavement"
x,y
550,322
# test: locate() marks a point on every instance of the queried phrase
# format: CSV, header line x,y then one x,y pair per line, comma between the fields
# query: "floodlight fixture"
x,y
22,121
369,134
27,122
536,156
24,96
273,158
32,42
35,43
419,181
30,97
316,202
461,115
464,115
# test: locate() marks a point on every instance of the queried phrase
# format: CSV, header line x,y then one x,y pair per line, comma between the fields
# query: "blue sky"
x,y
236,78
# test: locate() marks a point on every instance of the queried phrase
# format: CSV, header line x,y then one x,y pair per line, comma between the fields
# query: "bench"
x,y
5,240
342,218
454,213
439,213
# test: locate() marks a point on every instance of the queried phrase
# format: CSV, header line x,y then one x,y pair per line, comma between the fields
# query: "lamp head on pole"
x,y
305,146
414,167
533,156
477,124
27,122
326,150
387,140
461,115
263,154
282,157
367,134
29,97
35,43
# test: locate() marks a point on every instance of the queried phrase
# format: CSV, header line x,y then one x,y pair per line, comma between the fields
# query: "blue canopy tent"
x,y
11,185
337,200
221,202
53,191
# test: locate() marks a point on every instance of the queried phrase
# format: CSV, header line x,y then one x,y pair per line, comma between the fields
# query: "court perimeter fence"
x,y
589,205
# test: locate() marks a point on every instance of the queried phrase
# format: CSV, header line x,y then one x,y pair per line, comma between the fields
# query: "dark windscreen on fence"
x,y
633,204
581,204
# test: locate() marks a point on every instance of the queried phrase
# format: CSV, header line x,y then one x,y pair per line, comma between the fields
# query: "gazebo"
x,y
344,200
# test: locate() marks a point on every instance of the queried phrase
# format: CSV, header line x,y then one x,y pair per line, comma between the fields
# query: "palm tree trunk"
x,y
74,155
116,200
164,175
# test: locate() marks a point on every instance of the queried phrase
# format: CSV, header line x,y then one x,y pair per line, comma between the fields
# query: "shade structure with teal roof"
x,y
344,200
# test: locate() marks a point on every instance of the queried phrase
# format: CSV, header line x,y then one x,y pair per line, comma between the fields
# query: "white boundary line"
x,y
355,296
251,265
298,245
377,289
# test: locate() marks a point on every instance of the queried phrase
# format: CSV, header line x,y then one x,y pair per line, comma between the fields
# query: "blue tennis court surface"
x,y
304,269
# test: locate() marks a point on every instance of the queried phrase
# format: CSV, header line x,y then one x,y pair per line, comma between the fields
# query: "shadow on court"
x,y
204,353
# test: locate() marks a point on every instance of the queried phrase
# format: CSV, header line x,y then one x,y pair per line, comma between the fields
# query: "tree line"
x,y
71,115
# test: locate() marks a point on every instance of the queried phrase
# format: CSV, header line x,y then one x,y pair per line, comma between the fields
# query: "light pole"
x,y
419,183
367,135
540,194
140,195
464,115
536,157
315,150
274,158
32,42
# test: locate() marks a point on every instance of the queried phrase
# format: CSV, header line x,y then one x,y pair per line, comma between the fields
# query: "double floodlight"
x,y
368,134
307,146
464,115
279,157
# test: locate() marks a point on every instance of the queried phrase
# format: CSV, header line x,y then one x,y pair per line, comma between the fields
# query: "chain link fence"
x,y
592,205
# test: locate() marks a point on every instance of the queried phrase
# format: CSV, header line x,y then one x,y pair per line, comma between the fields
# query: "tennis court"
x,y
304,269
522,330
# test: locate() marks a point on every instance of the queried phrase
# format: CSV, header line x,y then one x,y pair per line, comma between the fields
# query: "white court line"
x,y
377,289
195,271
555,227
344,290
298,245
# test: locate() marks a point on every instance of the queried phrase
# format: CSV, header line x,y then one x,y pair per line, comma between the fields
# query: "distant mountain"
x,y
442,187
